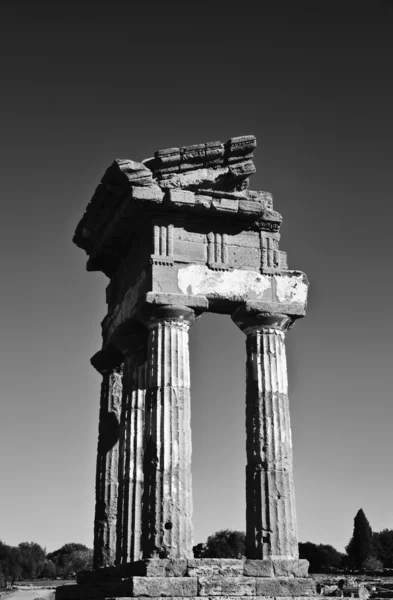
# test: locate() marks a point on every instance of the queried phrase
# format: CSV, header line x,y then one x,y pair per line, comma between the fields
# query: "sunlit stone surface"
x,y
177,235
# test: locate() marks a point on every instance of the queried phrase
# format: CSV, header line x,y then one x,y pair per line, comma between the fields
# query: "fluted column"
x,y
167,508
271,530
132,447
107,461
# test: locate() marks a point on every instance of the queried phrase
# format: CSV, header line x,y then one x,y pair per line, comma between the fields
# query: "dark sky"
x,y
83,83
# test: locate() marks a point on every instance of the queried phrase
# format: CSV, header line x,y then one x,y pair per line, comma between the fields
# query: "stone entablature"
x,y
178,235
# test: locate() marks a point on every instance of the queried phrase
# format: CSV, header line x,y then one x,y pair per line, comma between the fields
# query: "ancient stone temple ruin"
x,y
177,235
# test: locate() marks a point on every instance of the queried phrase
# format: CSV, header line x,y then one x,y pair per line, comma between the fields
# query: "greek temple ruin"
x,y
178,235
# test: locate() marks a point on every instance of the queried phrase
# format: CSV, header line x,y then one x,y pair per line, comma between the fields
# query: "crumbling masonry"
x,y
177,235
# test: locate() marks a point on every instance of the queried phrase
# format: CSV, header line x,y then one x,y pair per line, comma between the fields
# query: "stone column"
x,y
167,506
132,447
271,530
109,364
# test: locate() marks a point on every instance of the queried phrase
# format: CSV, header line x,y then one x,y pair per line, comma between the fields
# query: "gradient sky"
x,y
85,82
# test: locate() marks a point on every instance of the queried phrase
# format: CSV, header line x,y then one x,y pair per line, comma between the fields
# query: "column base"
x,y
216,578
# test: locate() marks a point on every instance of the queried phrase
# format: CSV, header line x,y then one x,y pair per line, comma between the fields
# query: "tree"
x,y
360,546
322,557
32,559
373,564
226,543
383,547
71,558
49,570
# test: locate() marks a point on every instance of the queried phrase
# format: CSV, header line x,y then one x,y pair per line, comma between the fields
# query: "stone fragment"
x,y
226,204
181,197
188,166
241,145
164,586
265,197
194,179
290,568
203,201
205,567
235,159
153,193
167,171
195,153
198,302
167,156
214,150
225,585
127,171
242,169
251,207
285,587
258,568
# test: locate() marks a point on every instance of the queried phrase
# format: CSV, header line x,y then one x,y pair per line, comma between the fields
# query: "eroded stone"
x,y
258,568
165,586
226,585
285,587
205,567
290,568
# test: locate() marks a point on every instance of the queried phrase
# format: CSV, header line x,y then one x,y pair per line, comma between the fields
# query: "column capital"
x,y
151,315
251,318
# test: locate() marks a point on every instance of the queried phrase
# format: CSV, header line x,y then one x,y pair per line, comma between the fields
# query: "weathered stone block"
x,y
242,169
165,586
203,201
258,568
190,251
168,155
225,585
177,196
198,302
225,204
153,567
153,193
251,207
290,568
285,587
205,567
188,166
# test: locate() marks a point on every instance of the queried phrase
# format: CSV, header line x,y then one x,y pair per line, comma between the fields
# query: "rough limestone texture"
x,y
177,235
225,585
207,567
164,586
285,587
167,517
107,482
132,450
278,568
271,516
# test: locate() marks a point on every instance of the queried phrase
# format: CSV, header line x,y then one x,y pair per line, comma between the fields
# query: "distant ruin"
x,y
180,234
